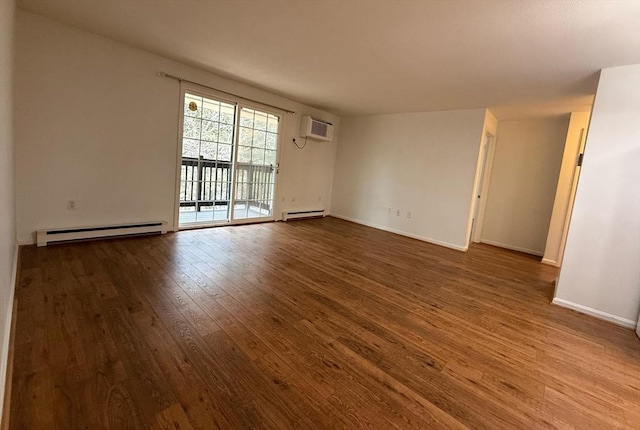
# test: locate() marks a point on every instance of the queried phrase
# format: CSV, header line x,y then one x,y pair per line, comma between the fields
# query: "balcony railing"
x,y
206,183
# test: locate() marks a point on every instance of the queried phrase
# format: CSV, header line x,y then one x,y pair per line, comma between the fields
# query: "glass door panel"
x,y
256,164
207,160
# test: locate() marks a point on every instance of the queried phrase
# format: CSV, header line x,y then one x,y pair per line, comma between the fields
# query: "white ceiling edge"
x,y
519,59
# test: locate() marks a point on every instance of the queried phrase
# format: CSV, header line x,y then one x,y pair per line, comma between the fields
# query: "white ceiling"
x,y
519,58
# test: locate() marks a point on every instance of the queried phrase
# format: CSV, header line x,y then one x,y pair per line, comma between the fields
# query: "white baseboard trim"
x,y
513,248
401,233
595,313
4,358
550,262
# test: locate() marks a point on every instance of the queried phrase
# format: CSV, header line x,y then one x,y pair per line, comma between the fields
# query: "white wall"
x,y
600,272
7,203
96,125
423,163
524,176
565,191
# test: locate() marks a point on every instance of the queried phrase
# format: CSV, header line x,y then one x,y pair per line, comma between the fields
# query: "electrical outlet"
x,y
71,205
319,198
408,214
398,212
390,209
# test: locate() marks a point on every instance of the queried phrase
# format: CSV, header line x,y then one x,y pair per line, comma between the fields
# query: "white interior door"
x,y
572,195
480,190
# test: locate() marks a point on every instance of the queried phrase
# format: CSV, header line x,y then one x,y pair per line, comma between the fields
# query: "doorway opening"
x,y
482,188
568,177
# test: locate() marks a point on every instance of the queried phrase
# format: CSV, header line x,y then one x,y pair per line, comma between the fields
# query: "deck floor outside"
x,y
219,215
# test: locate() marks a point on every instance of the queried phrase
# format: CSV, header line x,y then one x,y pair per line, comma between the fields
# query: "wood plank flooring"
x,y
315,324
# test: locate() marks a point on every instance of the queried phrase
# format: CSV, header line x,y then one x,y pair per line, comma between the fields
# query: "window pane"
x,y
209,131
206,192
222,191
189,172
270,158
226,133
246,136
190,102
191,127
240,210
272,124
246,118
260,122
190,148
183,190
257,156
244,154
211,110
242,191
224,152
272,141
208,150
188,190
267,206
227,112
259,138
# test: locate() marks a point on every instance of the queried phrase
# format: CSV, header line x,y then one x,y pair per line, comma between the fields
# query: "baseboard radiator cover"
x,y
44,237
316,213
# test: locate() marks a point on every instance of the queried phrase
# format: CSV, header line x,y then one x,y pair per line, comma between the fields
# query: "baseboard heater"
x,y
286,216
45,237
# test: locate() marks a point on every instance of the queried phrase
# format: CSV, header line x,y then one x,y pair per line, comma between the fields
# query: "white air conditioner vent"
x,y
316,129
319,128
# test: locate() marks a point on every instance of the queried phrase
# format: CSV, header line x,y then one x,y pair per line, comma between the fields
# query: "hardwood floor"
x,y
316,324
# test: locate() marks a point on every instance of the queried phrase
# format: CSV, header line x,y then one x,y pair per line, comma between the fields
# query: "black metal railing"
x,y
206,183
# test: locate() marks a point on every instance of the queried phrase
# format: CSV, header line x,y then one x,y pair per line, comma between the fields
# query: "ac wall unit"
x,y
316,129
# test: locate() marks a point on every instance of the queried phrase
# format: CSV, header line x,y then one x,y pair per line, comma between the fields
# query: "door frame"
x,y
481,187
572,196
239,103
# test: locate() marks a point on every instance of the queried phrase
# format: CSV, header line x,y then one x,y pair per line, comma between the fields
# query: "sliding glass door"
x,y
207,158
228,160
256,166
